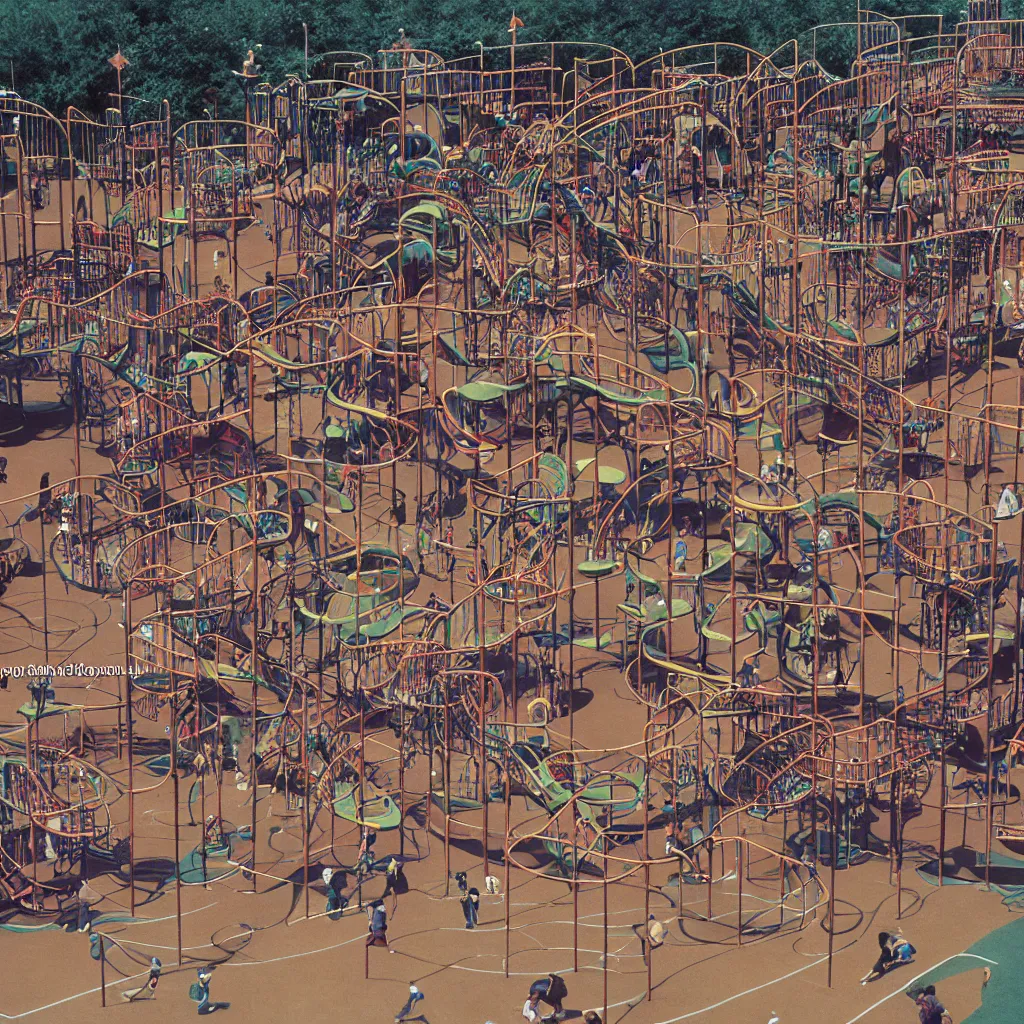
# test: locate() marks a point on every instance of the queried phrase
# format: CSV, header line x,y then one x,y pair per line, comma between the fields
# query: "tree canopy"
x,y
57,50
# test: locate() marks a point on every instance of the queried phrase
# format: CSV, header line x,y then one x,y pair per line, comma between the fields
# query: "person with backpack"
x,y
929,1009
200,992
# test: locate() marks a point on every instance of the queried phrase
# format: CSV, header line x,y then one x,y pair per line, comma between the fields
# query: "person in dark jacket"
x,y
394,881
470,901
929,1009
894,950
552,991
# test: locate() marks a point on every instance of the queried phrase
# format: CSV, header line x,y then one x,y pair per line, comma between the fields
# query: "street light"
x,y
305,50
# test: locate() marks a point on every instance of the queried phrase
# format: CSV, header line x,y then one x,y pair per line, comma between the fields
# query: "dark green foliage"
x,y
180,48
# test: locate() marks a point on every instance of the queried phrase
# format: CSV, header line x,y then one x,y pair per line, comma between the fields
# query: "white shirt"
x,y
530,1012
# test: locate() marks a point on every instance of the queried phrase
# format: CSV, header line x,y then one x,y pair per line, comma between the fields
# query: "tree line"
x,y
56,50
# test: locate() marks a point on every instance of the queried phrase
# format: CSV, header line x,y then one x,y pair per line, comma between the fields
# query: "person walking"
x,y
394,881
87,897
364,858
680,555
470,901
651,935
415,996
147,991
200,990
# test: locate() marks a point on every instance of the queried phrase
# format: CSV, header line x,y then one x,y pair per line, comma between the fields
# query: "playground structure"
x,y
691,383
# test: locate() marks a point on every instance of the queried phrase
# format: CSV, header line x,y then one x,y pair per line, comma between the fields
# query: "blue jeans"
x,y
335,905
414,998
904,953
